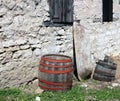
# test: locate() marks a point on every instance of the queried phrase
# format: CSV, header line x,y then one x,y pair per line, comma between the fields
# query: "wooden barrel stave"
x,y
103,78
107,65
104,71
64,75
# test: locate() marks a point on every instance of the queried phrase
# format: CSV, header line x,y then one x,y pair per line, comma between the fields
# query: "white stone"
x,y
8,57
115,84
33,34
34,41
17,54
59,42
18,20
3,11
110,87
2,56
37,52
31,6
17,9
46,8
21,41
37,98
9,3
61,31
42,32
27,53
6,21
23,54
115,54
15,48
36,46
35,27
84,85
24,47
8,43
2,50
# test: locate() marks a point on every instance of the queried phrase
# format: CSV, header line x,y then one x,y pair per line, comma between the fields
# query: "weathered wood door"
x,y
61,11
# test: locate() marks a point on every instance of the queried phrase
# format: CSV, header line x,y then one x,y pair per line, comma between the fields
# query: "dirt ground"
x,y
88,84
95,84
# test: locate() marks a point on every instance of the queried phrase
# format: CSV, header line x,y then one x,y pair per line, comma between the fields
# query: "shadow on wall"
x,y
51,24
74,62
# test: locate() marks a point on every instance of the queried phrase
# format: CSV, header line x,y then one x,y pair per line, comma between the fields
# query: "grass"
x,y
15,95
77,93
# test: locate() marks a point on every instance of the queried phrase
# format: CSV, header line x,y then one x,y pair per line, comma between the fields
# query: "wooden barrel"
x,y
100,77
55,72
111,66
105,71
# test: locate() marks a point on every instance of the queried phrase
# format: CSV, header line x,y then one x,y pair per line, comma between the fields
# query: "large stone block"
x,y
23,47
23,54
6,21
9,43
9,3
37,52
34,41
3,11
21,41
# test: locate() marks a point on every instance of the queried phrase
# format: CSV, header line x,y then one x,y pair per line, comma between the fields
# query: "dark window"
x,y
61,11
107,10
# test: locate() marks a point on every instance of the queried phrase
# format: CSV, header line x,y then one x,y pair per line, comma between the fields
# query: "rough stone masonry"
x,y
24,38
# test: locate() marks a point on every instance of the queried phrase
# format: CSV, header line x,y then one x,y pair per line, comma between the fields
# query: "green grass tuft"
x,y
77,93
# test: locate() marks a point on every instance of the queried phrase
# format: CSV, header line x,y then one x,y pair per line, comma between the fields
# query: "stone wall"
x,y
24,38
99,38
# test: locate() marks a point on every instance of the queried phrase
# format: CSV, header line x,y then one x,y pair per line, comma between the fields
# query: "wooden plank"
x,y
107,65
103,78
60,10
81,44
51,9
69,10
55,10
104,71
77,34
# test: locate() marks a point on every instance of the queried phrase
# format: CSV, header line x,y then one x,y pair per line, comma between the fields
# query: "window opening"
x,y
107,10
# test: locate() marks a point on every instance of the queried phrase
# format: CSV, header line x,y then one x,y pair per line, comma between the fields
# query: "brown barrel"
x,y
100,77
105,71
111,66
55,72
